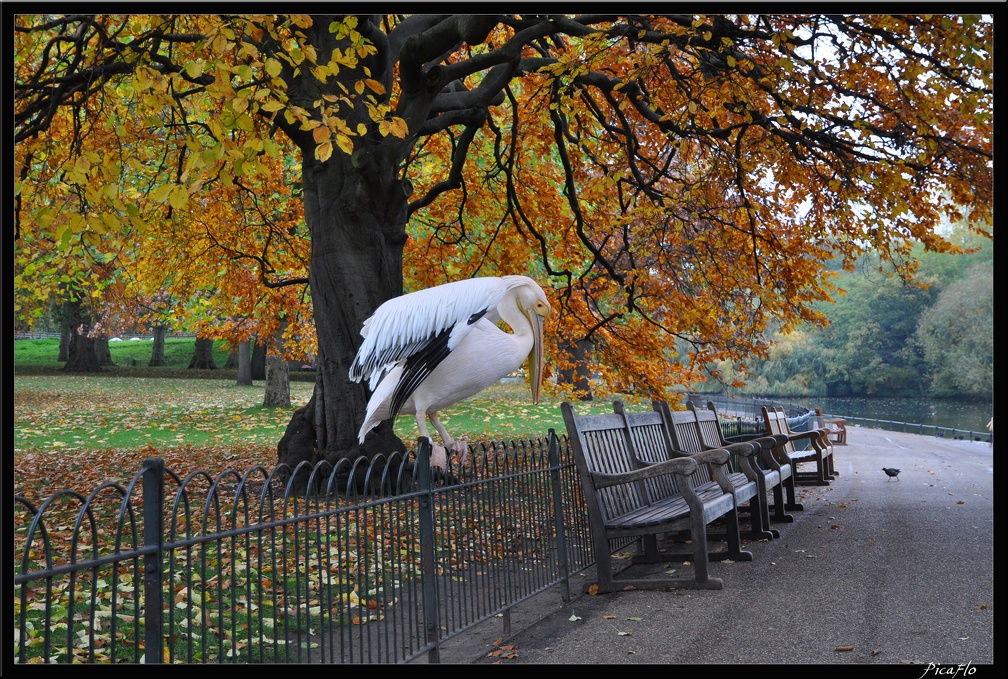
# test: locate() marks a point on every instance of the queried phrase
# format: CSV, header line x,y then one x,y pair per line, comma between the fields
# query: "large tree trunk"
x,y
244,364
203,354
357,219
157,353
81,355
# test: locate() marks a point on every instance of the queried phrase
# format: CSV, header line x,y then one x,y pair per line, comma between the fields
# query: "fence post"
x,y
558,514
428,566
153,537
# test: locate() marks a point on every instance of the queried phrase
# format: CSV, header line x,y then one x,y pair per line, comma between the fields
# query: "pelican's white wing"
x,y
421,328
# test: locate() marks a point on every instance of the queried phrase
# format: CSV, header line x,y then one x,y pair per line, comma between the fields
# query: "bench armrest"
x,y
766,445
744,449
680,466
812,435
715,456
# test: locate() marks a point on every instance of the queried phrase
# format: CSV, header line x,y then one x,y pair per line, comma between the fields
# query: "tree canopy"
x,y
672,181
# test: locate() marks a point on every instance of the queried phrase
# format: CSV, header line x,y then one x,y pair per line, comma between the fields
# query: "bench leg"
x,y
735,551
758,507
791,505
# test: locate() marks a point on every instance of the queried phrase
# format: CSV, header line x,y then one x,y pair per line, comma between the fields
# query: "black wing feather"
x,y
418,367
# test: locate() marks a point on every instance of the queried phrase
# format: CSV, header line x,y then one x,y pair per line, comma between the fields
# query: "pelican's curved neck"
x,y
511,314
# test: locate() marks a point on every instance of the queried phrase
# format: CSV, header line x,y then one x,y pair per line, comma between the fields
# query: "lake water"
x,y
952,414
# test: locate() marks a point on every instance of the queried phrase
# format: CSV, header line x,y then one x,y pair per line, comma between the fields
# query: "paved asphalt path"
x,y
873,571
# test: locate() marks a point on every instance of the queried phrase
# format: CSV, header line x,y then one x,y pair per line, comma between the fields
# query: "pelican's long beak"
x,y
536,357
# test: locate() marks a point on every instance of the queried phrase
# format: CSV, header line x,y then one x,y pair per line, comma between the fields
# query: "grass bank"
x,y
106,423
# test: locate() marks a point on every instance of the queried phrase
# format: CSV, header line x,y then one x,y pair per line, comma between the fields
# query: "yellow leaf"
x,y
361,129
396,127
273,67
375,86
160,194
96,224
179,197
345,143
320,134
323,151
111,221
271,106
194,69
244,122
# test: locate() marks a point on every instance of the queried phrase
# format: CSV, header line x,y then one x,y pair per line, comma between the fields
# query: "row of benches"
x,y
671,475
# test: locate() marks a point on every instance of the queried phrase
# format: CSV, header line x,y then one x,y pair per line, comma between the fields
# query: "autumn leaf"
x,y
323,151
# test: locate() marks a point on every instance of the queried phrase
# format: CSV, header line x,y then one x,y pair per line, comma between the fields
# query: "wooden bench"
x,y
642,498
767,462
767,476
775,420
685,434
836,427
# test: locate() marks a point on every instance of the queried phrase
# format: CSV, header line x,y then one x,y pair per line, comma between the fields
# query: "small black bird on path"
x,y
891,473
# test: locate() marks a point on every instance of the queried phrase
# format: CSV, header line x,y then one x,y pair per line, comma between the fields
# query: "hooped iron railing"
x,y
380,561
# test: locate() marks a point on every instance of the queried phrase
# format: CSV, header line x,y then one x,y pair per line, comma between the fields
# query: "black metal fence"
x,y
375,563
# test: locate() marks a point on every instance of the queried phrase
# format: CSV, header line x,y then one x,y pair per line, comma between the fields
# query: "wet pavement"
x,y
873,571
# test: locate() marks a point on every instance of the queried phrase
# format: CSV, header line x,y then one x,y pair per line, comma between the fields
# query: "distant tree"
x,y
158,346
258,361
203,354
957,336
82,357
244,363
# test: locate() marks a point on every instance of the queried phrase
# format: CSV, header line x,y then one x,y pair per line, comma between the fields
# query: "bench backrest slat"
x,y
599,444
776,423
650,442
684,436
712,435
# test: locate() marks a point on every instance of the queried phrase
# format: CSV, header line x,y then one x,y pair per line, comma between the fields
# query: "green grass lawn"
x,y
203,416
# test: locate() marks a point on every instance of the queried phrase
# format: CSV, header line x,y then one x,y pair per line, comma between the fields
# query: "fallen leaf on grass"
x,y
625,634
573,618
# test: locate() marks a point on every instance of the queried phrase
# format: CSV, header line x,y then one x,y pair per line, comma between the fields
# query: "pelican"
x,y
427,350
